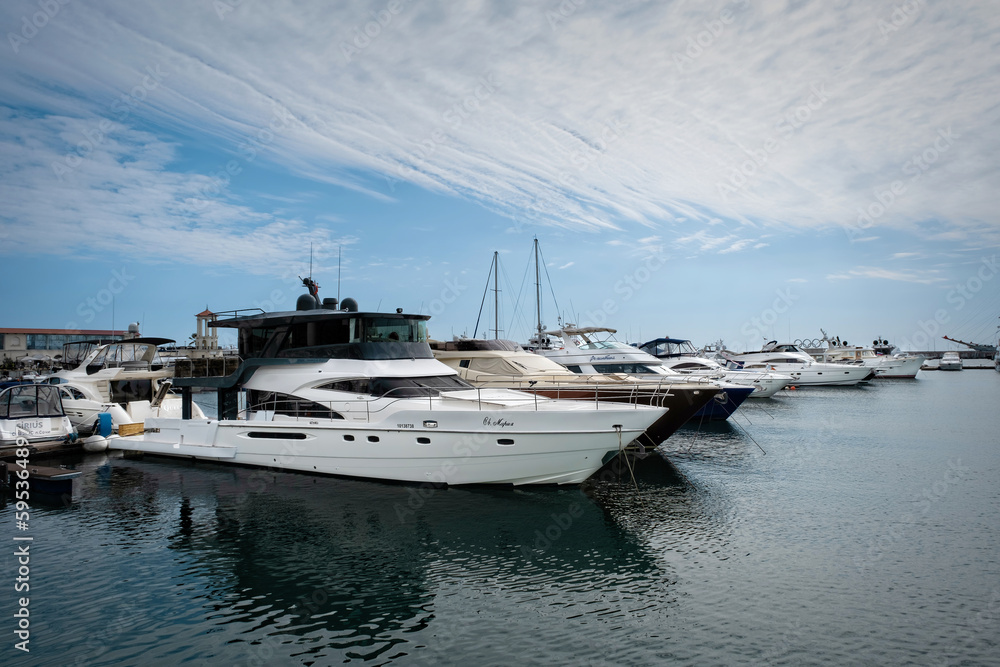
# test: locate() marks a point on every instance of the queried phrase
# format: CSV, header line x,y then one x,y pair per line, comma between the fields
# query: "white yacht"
x,y
504,363
950,361
887,361
582,350
789,359
124,378
359,394
681,356
35,413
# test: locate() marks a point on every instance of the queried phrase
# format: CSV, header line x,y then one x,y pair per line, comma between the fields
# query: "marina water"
x,y
826,526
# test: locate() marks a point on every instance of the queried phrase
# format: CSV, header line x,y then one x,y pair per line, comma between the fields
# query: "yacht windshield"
x,y
30,400
380,329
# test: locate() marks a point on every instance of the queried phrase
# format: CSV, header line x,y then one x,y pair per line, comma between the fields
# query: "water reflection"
x,y
315,567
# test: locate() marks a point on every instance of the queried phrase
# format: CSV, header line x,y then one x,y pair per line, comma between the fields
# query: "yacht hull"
x,y
898,368
682,403
850,376
475,447
725,404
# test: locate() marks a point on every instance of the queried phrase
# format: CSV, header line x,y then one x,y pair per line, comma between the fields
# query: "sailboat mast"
x,y
538,295
496,295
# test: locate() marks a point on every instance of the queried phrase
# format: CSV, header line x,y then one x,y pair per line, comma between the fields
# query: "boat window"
x,y
404,330
125,391
292,406
689,365
575,369
357,386
73,392
252,341
31,401
623,368
464,363
417,386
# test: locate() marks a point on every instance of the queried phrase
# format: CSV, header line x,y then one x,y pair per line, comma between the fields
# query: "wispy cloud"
x,y
830,110
926,277
124,195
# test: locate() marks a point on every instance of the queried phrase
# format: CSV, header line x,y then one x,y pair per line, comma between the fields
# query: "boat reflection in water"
x,y
262,565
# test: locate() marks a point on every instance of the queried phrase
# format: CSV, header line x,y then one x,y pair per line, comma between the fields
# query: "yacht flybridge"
x,y
125,378
332,390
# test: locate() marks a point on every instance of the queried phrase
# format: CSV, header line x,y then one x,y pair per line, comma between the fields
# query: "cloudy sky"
x,y
739,170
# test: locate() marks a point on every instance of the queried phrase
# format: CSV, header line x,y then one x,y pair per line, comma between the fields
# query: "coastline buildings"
x,y
45,345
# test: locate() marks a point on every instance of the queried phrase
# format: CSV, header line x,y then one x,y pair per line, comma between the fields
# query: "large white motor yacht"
x,y
789,359
889,362
359,394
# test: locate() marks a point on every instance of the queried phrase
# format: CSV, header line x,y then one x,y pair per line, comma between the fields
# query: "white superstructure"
x,y
125,379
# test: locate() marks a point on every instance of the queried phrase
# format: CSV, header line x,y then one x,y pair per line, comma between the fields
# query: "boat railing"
x,y
635,395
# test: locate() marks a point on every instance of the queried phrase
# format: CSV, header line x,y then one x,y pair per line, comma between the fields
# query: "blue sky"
x,y
738,170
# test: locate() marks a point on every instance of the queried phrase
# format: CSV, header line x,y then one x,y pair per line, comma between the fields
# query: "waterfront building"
x,y
45,345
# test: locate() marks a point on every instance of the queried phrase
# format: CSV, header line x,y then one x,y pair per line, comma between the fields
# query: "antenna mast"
x,y
339,249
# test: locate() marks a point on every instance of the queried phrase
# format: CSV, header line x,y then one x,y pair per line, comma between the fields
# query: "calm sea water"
x,y
868,533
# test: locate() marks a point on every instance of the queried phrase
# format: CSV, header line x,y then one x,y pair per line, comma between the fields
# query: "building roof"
x,y
84,332
205,313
